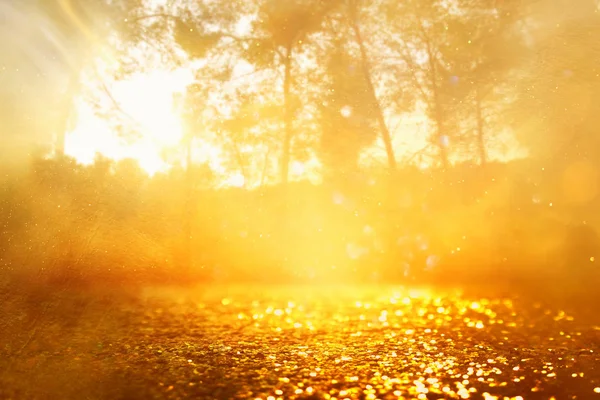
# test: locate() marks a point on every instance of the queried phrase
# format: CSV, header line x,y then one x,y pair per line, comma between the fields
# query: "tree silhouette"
x,y
277,29
483,47
347,113
84,32
353,14
558,104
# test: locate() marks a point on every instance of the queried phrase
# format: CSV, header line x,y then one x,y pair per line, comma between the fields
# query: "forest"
x,y
299,199
318,140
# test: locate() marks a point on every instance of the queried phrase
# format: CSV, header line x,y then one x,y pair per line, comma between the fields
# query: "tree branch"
x,y
178,18
110,96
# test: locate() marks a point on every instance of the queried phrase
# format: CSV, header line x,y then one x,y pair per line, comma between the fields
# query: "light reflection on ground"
x,y
332,343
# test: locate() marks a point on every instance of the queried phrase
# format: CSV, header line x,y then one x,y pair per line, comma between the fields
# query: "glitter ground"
x,y
317,343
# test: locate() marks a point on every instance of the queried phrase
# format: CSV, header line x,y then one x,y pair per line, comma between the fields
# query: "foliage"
x,y
109,223
560,85
278,81
346,113
473,67
456,56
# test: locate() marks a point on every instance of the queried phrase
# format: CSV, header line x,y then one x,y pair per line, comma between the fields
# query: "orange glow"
x,y
580,182
147,99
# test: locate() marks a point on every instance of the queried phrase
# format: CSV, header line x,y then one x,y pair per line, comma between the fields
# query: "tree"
x,y
483,47
558,102
346,113
456,56
354,20
277,30
250,132
84,30
35,59
194,175
416,29
284,26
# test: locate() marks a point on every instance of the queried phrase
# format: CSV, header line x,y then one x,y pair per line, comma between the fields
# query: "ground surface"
x,y
269,343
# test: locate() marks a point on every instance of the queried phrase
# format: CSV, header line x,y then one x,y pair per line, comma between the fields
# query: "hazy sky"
x,y
32,74
34,71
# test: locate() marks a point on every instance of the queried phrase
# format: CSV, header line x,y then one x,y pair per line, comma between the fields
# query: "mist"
x,y
343,199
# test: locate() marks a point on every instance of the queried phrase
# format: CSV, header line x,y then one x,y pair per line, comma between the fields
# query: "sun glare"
x,y
147,102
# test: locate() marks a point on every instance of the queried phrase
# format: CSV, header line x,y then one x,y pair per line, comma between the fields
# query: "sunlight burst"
x,y
147,102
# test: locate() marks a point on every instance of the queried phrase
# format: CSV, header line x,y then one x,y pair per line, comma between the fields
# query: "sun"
x,y
147,101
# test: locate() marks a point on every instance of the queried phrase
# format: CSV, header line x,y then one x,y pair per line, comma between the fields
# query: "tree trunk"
x,y
385,133
366,69
265,168
241,162
287,118
439,122
441,138
437,109
480,133
188,218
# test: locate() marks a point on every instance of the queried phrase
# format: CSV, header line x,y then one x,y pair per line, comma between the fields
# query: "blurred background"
x,y
185,141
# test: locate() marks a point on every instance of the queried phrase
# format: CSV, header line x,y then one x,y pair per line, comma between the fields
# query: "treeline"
x,y
283,81
278,82
109,223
